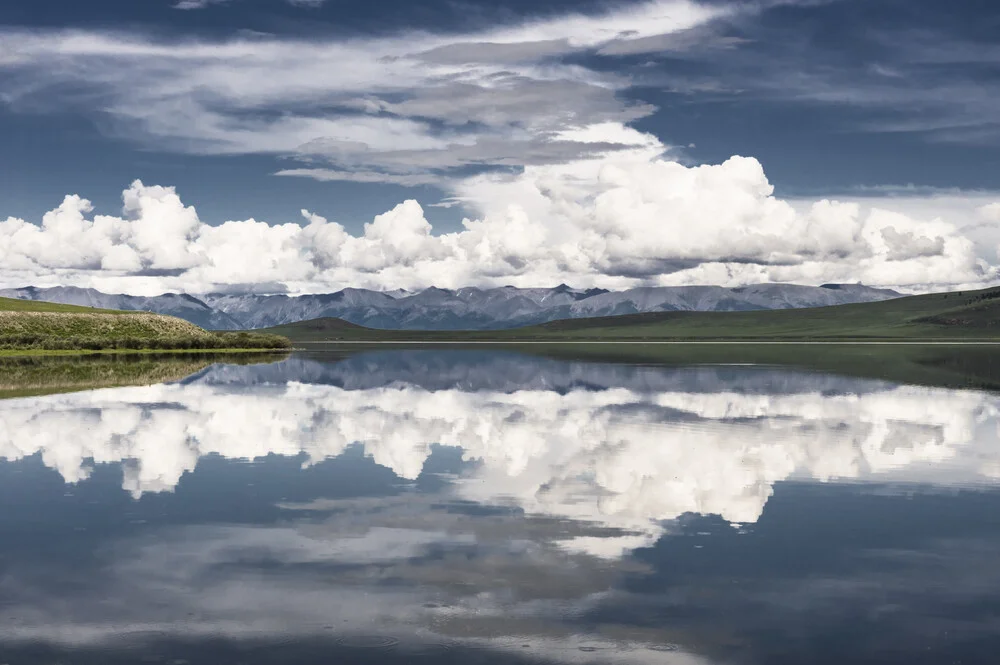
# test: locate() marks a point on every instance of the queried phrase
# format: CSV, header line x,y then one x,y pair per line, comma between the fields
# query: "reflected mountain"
x,y
442,507
507,371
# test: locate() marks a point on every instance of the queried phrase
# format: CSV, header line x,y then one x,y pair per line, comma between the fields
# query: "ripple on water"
x,y
368,642
430,648
484,643
140,638
663,647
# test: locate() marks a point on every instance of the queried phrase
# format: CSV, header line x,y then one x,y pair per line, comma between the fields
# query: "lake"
x,y
450,506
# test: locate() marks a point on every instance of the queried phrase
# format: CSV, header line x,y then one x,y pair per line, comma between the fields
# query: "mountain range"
x,y
469,308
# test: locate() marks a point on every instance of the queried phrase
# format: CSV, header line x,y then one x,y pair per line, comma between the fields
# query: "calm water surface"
x,y
467,507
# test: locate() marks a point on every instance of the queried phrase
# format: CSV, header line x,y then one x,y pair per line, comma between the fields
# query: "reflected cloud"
x,y
404,573
541,540
627,455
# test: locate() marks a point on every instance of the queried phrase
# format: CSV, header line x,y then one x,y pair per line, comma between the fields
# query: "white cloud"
x,y
991,212
969,211
623,218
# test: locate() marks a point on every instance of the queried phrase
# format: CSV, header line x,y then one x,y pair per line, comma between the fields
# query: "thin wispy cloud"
x,y
202,4
413,102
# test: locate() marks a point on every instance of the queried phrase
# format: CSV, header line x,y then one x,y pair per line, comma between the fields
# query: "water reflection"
x,y
23,376
455,507
623,453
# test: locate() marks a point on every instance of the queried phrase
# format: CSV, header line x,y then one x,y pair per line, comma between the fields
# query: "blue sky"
x,y
511,115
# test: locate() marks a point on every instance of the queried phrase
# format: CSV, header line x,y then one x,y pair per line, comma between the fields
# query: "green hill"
x,y
40,326
968,315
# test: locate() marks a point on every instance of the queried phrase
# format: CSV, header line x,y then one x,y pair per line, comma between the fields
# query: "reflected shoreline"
x,y
27,376
974,367
959,367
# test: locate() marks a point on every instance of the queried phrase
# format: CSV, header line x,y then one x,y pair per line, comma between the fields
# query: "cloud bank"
x,y
625,218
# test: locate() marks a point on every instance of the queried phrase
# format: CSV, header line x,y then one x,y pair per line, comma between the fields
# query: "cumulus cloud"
x,y
626,217
991,212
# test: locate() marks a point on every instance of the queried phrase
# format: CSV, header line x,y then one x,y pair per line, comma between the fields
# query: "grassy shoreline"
x,y
33,328
69,353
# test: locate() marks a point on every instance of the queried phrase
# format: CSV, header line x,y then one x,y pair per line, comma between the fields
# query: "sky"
x,y
308,145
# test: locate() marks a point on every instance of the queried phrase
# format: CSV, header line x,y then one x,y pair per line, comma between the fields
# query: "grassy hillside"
x,y
34,326
969,315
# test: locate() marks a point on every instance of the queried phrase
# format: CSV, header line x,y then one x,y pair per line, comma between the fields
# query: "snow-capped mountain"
x,y
466,308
